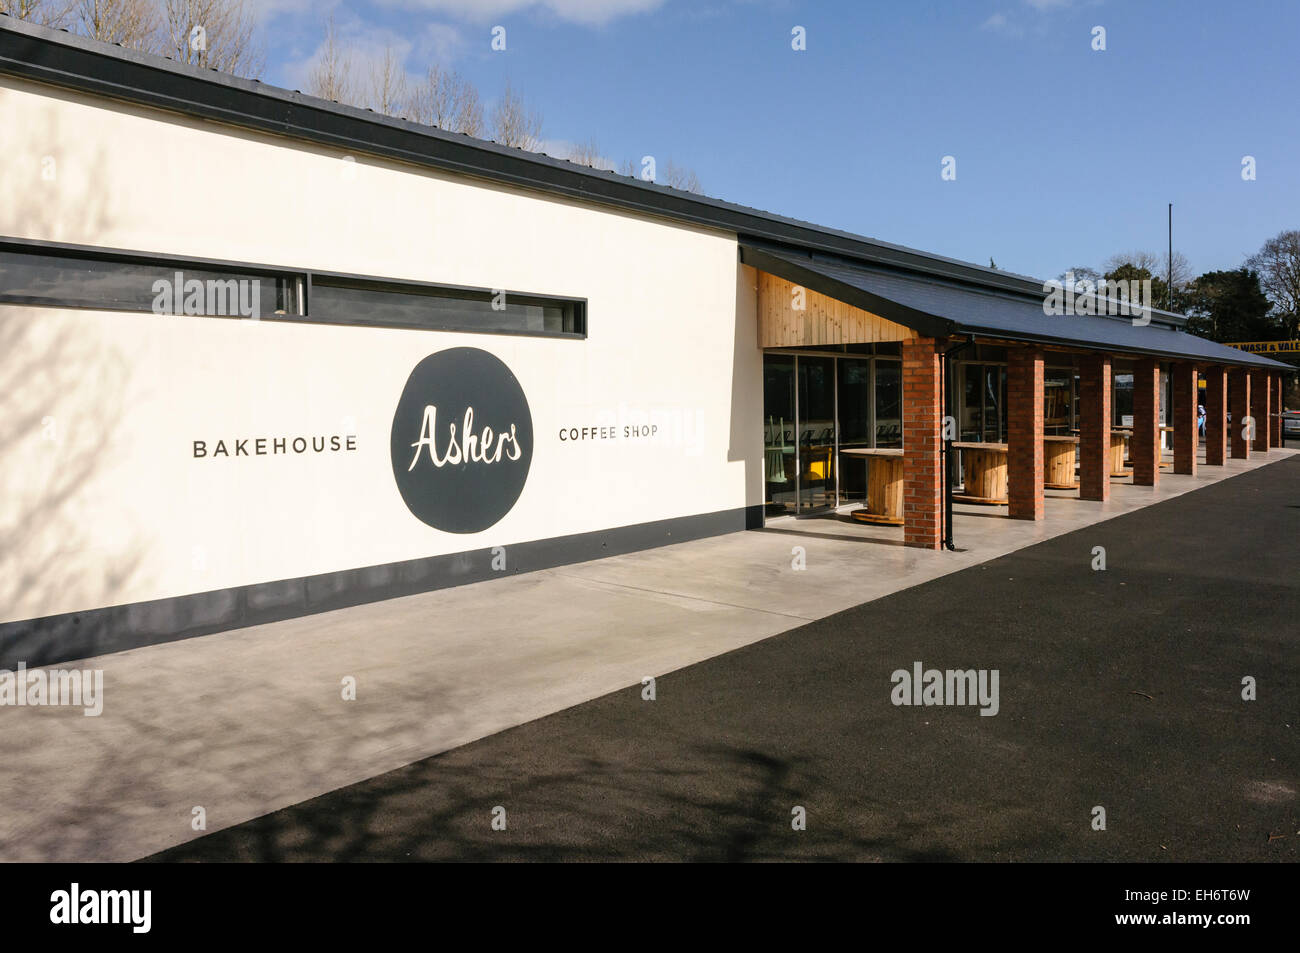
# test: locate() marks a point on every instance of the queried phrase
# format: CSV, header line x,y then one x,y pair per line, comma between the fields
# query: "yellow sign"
x,y
1268,347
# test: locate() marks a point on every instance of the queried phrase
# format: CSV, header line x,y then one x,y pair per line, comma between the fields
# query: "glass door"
x,y
854,415
815,409
780,458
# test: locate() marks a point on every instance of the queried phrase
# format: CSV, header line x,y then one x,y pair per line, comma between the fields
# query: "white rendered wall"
x,y
101,500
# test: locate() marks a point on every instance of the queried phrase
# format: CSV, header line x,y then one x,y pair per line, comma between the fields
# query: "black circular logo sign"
x,y
462,440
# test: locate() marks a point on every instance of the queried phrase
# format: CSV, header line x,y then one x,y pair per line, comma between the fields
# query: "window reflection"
x,y
844,404
816,413
889,401
779,468
982,414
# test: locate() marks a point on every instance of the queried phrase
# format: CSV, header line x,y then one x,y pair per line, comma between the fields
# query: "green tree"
x,y
1229,306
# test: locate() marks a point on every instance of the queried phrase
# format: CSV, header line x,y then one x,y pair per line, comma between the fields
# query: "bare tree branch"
x,y
1156,264
588,153
51,13
679,177
388,93
216,34
132,23
515,123
331,75
447,100
1278,265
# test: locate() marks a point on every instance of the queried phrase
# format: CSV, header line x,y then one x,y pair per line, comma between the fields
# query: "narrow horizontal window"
x,y
61,276
90,281
360,301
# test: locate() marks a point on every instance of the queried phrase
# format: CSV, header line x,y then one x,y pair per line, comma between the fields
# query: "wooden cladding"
x,y
822,321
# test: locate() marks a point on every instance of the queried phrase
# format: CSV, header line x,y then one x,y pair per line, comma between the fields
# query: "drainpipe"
x,y
945,447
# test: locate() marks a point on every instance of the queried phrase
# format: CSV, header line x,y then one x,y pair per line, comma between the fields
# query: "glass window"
x,y
982,416
126,281
346,301
854,425
889,397
1122,401
816,380
86,281
779,466
995,410
855,403
972,403
1058,401
843,403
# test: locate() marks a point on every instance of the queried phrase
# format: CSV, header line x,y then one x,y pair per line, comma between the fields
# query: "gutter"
x,y
39,54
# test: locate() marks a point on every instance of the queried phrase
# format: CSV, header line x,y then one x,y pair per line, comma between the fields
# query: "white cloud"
x,y
589,12
365,48
1013,23
268,9
439,43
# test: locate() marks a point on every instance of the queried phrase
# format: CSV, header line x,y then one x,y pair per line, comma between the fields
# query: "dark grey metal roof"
x,y
937,308
926,286
63,59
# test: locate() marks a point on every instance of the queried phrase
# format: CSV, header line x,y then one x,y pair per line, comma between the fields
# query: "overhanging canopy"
x,y
937,308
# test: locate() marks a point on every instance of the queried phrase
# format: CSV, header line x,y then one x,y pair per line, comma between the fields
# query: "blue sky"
x,y
1064,155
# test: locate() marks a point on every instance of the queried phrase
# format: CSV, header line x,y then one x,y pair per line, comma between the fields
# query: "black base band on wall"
x,y
79,635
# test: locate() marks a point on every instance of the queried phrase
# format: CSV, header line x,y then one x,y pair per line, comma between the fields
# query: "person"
x,y
1200,419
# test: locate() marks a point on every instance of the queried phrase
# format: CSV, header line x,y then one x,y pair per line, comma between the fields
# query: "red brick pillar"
x,y
1261,399
1186,439
922,421
1094,427
1025,434
1216,420
1239,400
1144,447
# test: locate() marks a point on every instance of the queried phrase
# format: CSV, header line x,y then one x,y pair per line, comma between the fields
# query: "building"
x,y
265,355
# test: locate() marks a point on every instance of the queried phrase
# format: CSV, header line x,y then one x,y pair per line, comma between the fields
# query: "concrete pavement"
x,y
1119,691
247,722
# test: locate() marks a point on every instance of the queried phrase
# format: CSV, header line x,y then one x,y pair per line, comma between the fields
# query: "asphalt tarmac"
x,y
1118,689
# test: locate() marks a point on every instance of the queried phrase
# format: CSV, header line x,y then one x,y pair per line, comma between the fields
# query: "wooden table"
x,y
1118,450
1059,453
884,485
1118,455
985,465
